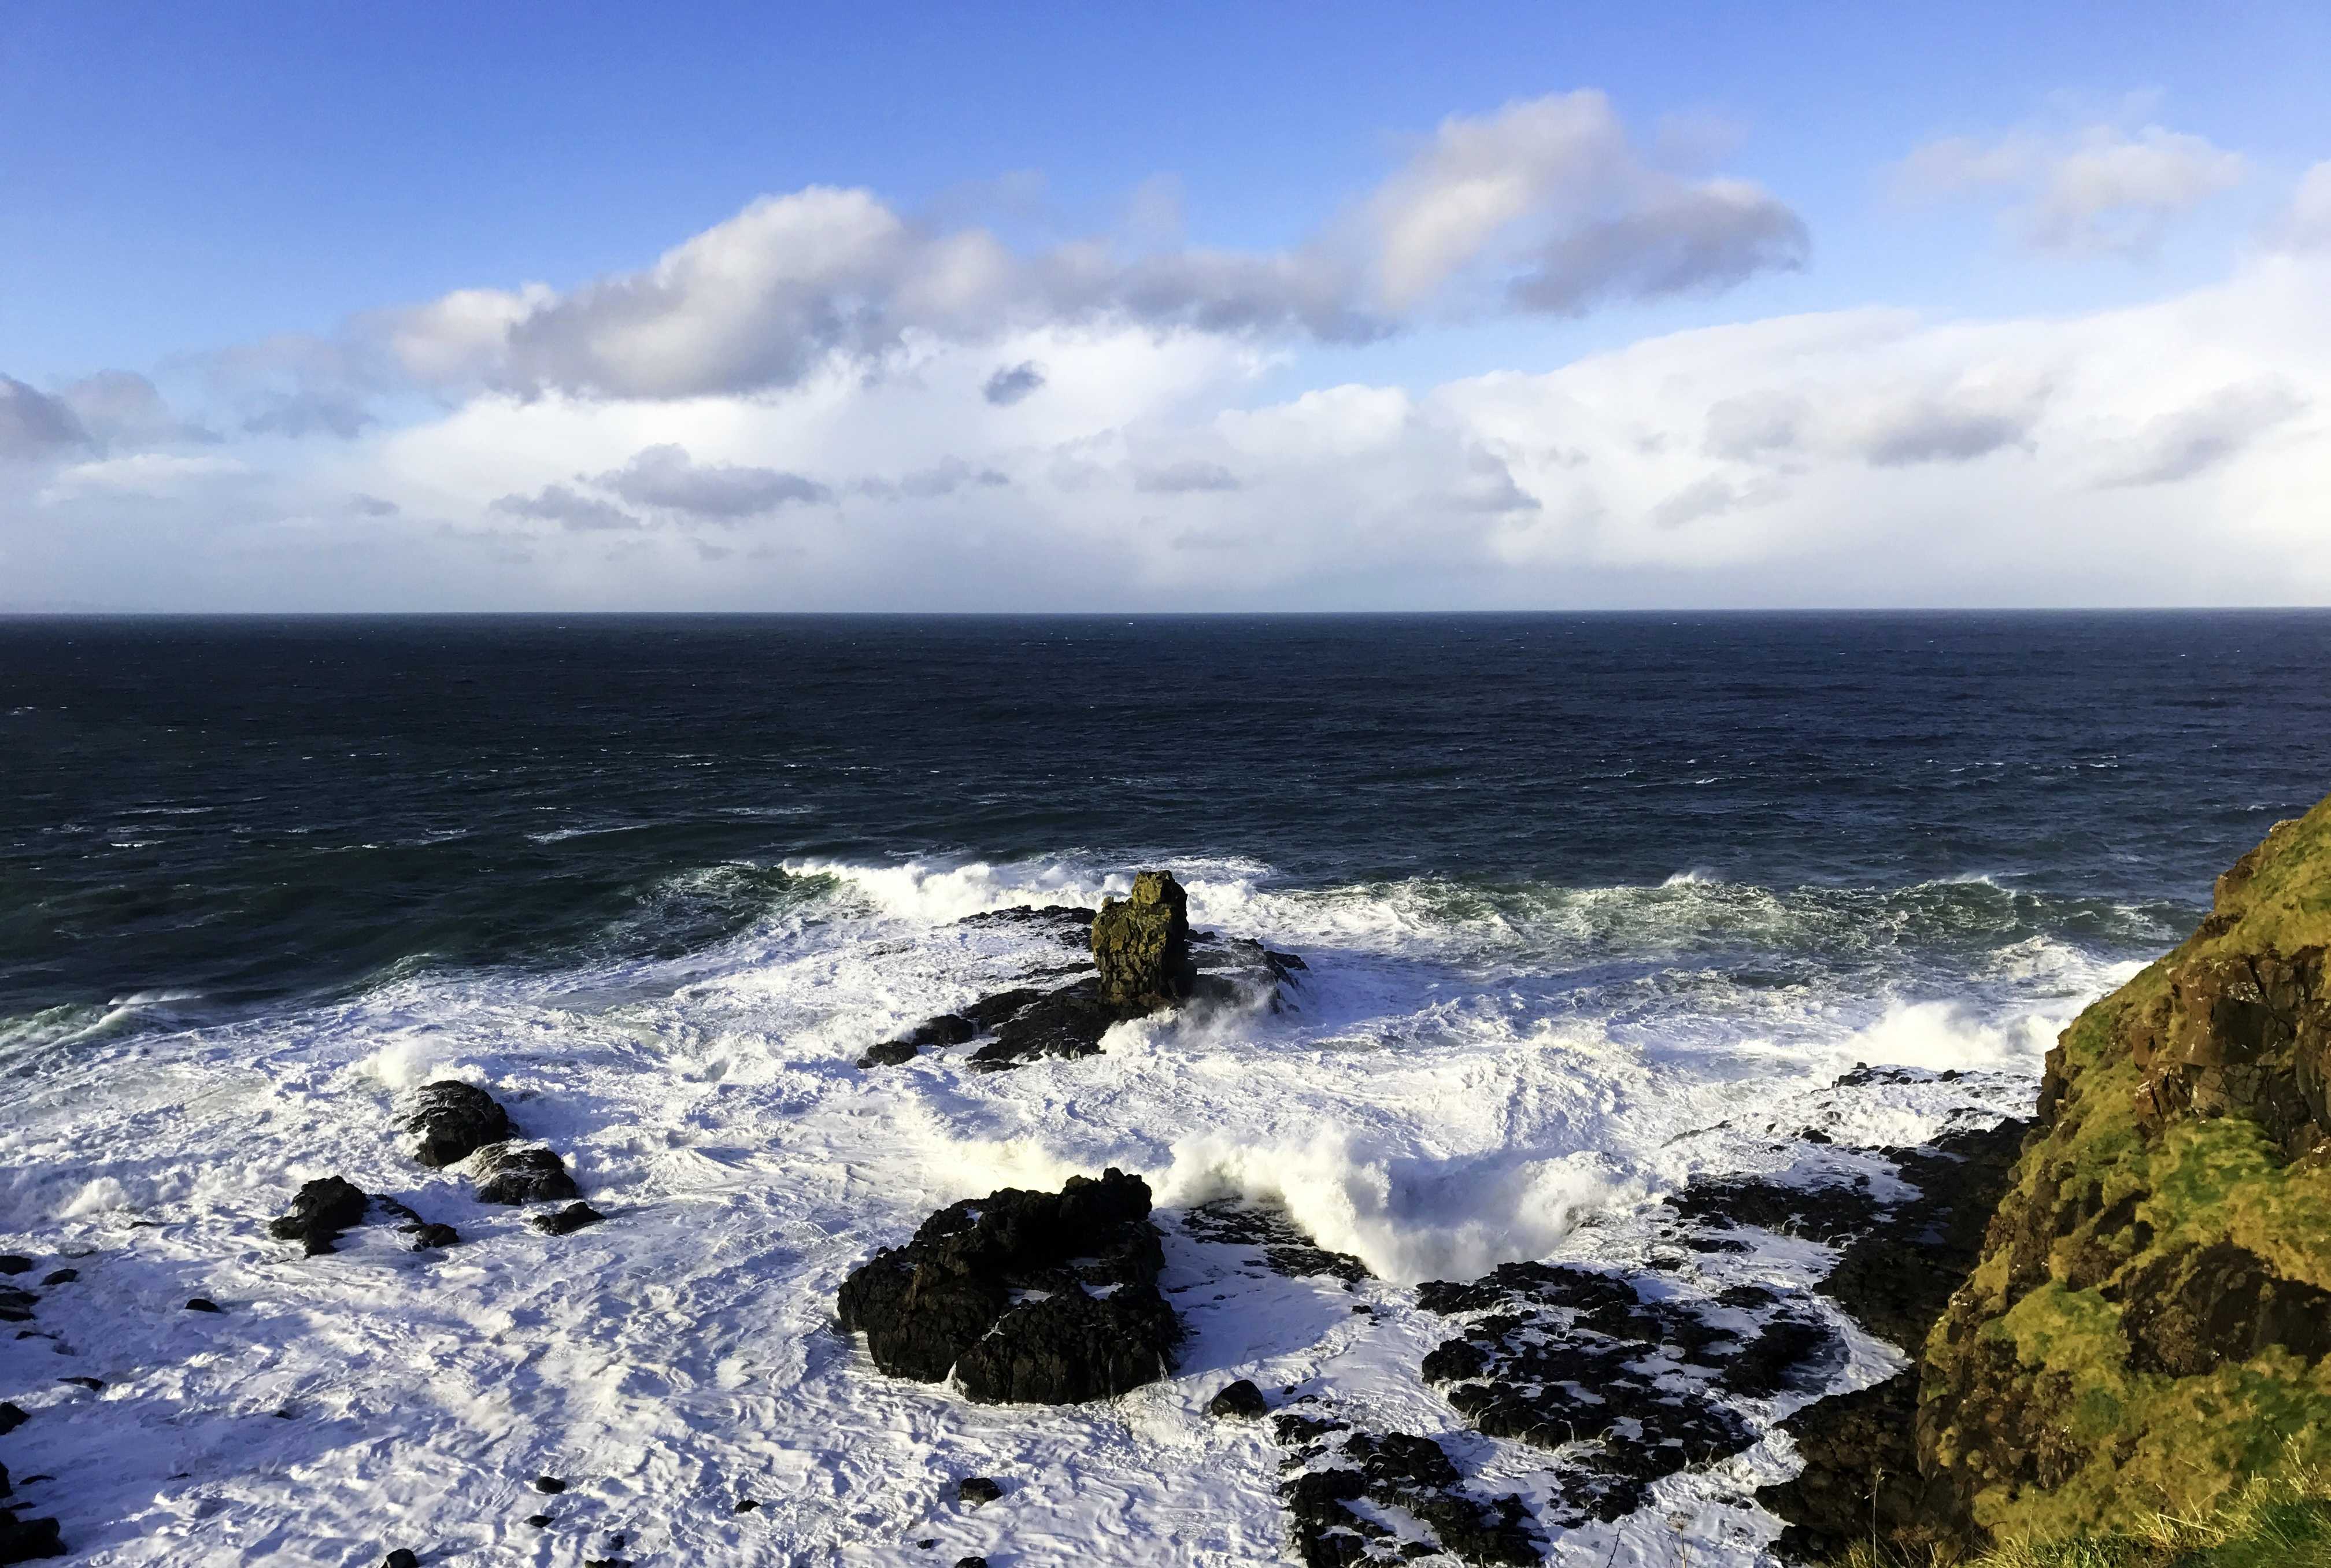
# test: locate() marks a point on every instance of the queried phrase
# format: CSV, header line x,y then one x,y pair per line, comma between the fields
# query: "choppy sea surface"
x,y
1591,905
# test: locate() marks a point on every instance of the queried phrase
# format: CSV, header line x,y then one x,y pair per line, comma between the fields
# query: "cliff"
x,y
2147,1322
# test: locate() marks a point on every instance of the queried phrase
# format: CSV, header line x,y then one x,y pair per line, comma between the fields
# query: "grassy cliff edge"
x,y
2147,1328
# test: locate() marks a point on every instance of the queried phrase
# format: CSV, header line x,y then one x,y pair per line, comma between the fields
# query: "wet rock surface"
x,y
1281,1245
1626,1388
567,1221
1861,1473
1029,1023
1141,944
448,1121
1355,1496
320,1212
1027,1297
523,1174
1241,1401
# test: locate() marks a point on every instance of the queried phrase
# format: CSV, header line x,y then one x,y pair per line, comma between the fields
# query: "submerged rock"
x,y
27,1540
975,1491
320,1212
1031,1298
567,1221
523,1174
1390,1475
1626,1389
448,1121
1141,943
947,1029
1241,1401
14,1263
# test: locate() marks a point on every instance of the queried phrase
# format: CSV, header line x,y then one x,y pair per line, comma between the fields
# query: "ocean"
x,y
1591,905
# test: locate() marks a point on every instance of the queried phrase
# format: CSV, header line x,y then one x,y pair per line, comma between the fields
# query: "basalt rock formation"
x,y
450,1120
1141,944
2147,1322
1027,1297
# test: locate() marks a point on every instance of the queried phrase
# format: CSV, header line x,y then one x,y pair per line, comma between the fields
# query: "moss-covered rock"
x,y
1141,943
2147,1324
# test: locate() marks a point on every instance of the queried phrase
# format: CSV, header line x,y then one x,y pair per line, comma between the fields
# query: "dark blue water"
x,y
250,810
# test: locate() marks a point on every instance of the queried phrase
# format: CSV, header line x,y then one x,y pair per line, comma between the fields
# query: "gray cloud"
x,y
1702,499
1181,478
2194,440
667,478
120,408
1936,429
1012,382
1755,422
33,424
570,509
1700,240
373,507
317,412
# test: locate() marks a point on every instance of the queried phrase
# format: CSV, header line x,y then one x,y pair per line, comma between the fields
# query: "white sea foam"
x,y
1448,1096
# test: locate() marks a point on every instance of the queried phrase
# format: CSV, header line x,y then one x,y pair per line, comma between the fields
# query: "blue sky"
x,y
230,201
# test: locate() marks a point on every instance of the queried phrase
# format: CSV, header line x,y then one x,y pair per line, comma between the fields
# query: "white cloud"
x,y
2306,224
1548,199
2105,190
1588,217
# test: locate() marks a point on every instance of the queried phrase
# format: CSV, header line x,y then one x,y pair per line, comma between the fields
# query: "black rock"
x,y
1285,1249
11,1263
320,1212
201,1303
94,1384
63,1277
744,1505
971,1562
1338,1466
1572,1360
538,1521
945,1302
975,1490
4,1480
947,1029
23,1540
16,1305
400,1558
523,1174
550,1484
426,1236
566,1220
12,1416
1065,1023
450,1121
1242,1399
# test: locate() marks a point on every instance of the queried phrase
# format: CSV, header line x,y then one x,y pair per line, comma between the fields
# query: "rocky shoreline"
x,y
1615,1379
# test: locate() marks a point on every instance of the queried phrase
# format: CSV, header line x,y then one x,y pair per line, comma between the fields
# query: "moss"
x,y
2030,1396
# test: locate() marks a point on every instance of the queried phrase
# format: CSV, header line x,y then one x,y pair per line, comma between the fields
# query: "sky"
x,y
950,307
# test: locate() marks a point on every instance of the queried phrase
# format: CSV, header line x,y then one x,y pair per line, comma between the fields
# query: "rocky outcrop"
x,y
320,1212
1141,944
523,1174
1359,1496
1025,1297
1624,1388
2147,1322
448,1121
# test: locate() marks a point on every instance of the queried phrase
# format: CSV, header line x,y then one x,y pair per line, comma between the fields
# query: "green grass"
x,y
2277,1523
